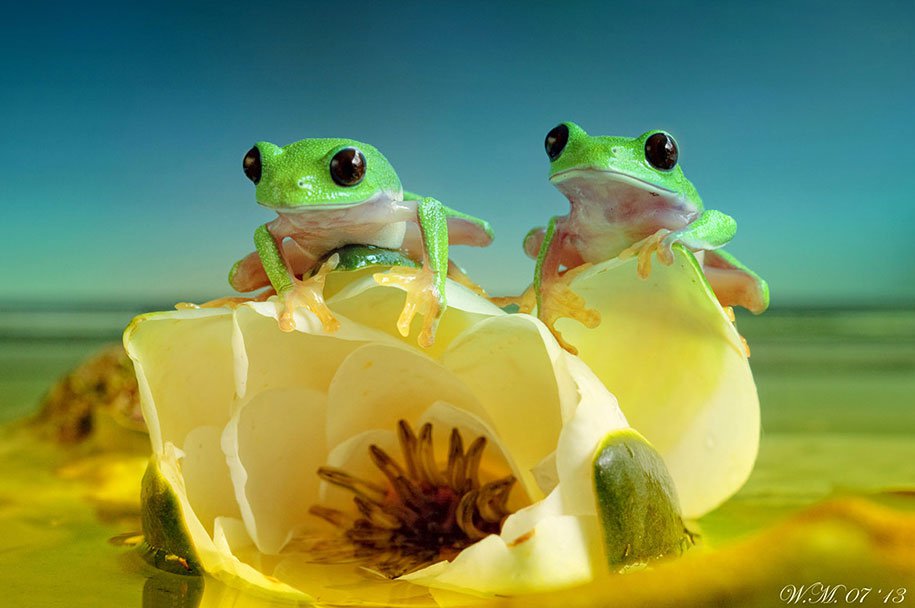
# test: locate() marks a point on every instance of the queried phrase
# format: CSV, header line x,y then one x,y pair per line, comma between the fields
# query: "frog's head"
x,y
319,174
582,165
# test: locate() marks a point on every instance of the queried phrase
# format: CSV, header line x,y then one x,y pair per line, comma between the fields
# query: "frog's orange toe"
x,y
423,297
457,274
286,320
310,295
227,302
560,301
526,302
644,250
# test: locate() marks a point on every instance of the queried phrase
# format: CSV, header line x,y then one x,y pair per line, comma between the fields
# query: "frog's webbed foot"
x,y
659,242
526,302
558,301
457,274
227,302
309,293
422,297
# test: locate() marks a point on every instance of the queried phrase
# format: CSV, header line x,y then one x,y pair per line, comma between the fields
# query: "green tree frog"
x,y
330,193
628,197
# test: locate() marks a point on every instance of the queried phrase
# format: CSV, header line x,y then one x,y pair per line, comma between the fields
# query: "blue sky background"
x,y
124,126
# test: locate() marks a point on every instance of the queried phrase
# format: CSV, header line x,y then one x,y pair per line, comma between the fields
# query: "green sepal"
x,y
166,542
636,502
356,257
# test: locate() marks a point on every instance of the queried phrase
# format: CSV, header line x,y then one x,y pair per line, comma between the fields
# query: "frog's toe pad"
x,y
648,246
423,297
310,295
559,301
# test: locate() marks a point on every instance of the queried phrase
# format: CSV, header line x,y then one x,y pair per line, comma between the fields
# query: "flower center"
x,y
424,513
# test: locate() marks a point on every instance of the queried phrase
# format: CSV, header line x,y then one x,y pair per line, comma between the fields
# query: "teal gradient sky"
x,y
124,126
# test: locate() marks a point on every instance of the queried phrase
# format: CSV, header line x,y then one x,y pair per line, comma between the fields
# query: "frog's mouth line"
x,y
322,206
592,172
310,207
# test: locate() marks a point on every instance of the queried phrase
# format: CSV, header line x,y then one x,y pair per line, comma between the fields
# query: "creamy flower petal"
x,y
518,372
563,525
176,394
352,456
214,559
379,307
669,353
458,296
206,476
524,520
269,444
378,384
559,551
289,402
545,473
596,415
231,536
267,350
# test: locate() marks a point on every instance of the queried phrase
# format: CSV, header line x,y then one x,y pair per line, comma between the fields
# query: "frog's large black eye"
x,y
347,167
556,141
661,151
252,164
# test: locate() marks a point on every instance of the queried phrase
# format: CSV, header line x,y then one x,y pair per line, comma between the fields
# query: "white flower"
x,y
675,361
242,415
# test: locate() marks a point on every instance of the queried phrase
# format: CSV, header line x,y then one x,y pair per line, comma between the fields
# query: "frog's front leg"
x,y
248,274
711,230
528,300
555,299
294,292
733,283
425,286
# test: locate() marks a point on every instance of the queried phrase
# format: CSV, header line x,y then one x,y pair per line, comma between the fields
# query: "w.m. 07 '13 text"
x,y
821,593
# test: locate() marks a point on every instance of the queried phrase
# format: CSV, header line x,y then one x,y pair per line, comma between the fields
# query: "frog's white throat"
x,y
619,193
611,211
379,221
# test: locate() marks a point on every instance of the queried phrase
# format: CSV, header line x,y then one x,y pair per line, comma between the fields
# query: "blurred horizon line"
x,y
53,322
152,305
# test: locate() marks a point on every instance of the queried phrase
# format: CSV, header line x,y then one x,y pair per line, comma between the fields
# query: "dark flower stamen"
x,y
422,515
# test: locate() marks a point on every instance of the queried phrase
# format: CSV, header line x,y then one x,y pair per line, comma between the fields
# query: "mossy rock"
x,y
104,385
